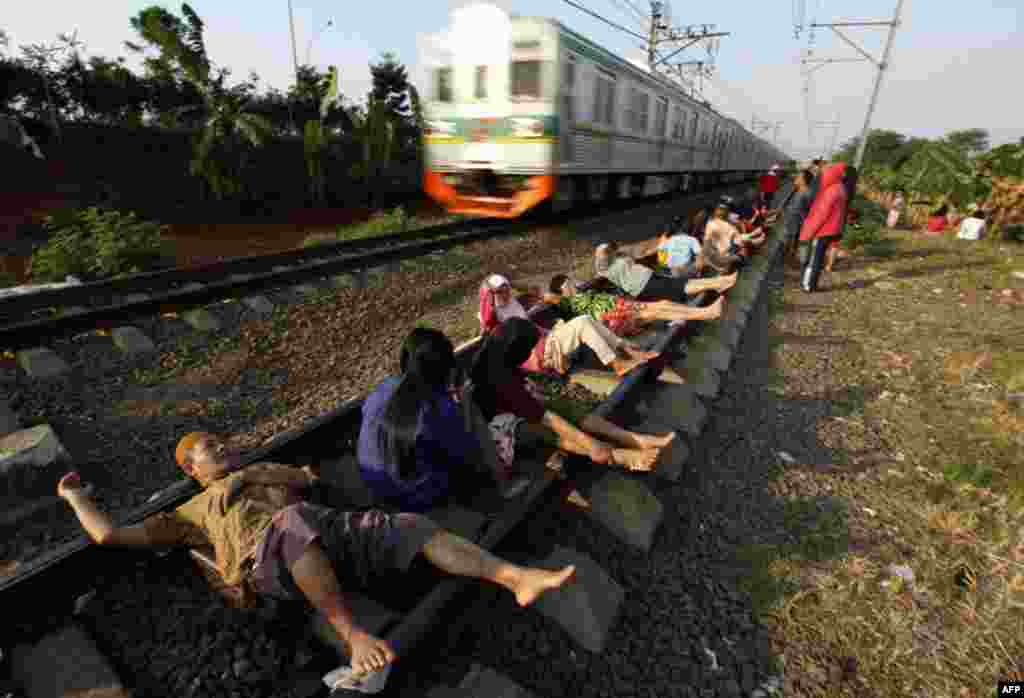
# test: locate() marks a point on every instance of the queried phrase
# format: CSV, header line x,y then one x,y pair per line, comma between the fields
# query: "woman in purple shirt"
x,y
414,448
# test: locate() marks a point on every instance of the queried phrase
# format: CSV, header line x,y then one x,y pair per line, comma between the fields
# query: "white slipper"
x,y
342,678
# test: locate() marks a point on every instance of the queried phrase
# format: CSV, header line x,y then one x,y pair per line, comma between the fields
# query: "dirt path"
x,y
899,460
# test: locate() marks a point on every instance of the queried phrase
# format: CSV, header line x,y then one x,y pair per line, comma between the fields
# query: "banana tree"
x,y
229,129
375,130
314,140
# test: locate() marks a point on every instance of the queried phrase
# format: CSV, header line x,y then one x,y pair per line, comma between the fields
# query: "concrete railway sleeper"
x,y
79,581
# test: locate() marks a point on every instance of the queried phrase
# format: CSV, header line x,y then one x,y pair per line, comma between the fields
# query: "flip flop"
x,y
343,678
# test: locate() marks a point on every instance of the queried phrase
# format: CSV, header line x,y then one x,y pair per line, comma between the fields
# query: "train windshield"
x,y
443,84
525,80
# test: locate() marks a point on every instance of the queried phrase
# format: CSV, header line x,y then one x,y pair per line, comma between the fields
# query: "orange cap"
x,y
185,445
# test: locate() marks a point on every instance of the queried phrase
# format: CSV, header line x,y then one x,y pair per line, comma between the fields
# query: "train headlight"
x,y
440,128
527,128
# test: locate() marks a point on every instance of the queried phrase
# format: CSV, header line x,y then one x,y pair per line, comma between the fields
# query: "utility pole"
x,y
835,134
661,33
881,65
295,52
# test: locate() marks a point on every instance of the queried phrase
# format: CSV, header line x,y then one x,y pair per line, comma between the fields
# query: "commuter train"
x,y
522,111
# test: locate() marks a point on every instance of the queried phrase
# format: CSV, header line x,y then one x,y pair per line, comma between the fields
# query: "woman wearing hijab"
x,y
552,348
824,224
497,388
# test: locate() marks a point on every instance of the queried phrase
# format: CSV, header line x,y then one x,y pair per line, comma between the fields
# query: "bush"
x,y
96,243
861,235
1013,233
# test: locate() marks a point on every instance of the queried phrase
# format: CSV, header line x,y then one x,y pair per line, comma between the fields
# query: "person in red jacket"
x,y
824,224
767,185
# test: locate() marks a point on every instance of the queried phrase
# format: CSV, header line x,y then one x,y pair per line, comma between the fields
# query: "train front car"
x,y
491,116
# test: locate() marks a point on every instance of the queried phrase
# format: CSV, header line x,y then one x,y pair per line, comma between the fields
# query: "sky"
x,y
952,66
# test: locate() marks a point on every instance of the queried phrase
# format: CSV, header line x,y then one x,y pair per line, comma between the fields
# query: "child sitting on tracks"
x,y
266,537
621,316
497,388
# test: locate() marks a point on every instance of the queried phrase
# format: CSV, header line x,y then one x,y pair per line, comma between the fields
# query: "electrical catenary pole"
x,y
295,52
661,33
881,65
878,84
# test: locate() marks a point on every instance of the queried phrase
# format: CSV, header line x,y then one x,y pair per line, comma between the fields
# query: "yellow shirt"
x,y
233,532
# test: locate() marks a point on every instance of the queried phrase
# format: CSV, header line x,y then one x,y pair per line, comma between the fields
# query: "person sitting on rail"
x,y
267,538
621,316
724,244
680,252
553,347
641,283
497,387
414,448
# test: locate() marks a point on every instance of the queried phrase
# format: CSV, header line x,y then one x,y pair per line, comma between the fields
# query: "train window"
x,y
660,118
604,99
525,80
693,129
480,85
643,115
443,84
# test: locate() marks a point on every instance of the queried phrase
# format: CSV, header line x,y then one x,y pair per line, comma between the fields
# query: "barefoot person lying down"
x,y
621,316
497,387
266,537
641,283
554,346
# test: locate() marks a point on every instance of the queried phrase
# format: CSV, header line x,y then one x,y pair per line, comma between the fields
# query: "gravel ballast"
x,y
685,629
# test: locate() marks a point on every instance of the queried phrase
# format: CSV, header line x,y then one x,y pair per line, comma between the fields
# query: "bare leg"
x,y
317,581
718,283
458,556
600,426
672,312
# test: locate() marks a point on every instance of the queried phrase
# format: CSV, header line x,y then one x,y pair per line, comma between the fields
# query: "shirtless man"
x,y
265,536
723,242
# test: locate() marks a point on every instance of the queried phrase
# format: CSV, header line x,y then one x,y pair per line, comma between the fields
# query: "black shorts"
x,y
663,288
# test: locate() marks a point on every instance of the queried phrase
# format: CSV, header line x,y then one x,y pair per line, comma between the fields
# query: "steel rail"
x,y
19,306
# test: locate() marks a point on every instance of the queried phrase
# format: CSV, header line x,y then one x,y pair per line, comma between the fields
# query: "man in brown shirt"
x,y
265,535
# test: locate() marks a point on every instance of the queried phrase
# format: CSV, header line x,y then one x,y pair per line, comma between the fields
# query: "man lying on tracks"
x,y
621,316
497,388
266,537
641,283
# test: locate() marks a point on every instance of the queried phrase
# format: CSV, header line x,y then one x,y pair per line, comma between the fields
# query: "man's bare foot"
x,y
639,459
369,653
713,311
723,283
624,366
654,440
533,582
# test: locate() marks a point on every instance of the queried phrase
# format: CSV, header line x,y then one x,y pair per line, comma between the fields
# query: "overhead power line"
x,y
606,21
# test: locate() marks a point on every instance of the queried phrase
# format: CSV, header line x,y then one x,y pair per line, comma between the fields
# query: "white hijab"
x,y
511,309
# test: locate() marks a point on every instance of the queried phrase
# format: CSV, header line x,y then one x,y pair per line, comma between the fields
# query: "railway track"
x,y
32,320
70,575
